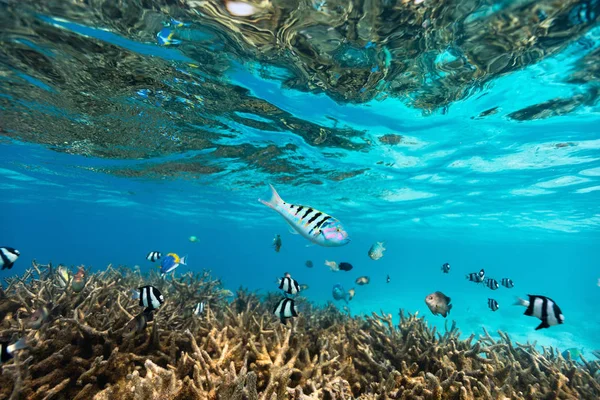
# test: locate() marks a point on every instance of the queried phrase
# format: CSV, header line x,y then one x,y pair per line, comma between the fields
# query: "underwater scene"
x,y
316,199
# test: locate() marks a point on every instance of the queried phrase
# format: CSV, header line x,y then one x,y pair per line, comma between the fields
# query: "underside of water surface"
x,y
461,135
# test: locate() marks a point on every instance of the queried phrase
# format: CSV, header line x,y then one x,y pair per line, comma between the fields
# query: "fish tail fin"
x,y
274,201
520,302
183,260
148,314
18,345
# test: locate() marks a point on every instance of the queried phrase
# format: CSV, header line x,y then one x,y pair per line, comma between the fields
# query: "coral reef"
x,y
236,349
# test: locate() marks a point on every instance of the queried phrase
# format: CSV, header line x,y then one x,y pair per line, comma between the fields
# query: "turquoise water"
x,y
516,196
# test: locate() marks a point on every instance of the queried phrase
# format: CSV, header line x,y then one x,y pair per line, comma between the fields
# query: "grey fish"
x,y
40,316
376,251
438,303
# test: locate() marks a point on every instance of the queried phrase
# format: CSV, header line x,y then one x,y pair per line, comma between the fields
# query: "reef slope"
x,y
89,349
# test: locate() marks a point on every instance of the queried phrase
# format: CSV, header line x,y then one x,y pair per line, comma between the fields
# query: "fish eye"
x,y
338,229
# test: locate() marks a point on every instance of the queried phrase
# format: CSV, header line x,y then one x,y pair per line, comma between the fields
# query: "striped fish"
x,y
285,308
544,308
493,305
8,256
314,225
288,284
153,256
151,298
199,309
476,277
507,283
491,283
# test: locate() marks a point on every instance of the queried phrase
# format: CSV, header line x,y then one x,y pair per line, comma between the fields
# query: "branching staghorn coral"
x,y
91,348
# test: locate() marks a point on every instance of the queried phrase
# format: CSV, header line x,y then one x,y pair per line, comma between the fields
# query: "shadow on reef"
x,y
238,350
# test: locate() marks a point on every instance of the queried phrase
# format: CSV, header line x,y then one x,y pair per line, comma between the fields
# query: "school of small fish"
x,y
317,227
322,229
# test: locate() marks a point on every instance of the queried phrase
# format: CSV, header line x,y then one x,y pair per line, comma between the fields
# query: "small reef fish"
x,y
62,276
285,309
193,239
344,266
151,298
199,309
314,225
476,277
339,293
7,350
153,256
170,262
78,280
165,37
573,352
351,294
446,268
277,243
493,305
544,308
309,264
8,256
507,283
332,265
439,304
288,284
388,279
376,251
491,283
40,316
363,280
304,287
137,324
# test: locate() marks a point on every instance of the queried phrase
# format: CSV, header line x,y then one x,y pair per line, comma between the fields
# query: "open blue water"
x,y
518,198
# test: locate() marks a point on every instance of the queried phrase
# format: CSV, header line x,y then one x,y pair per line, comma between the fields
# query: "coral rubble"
x,y
87,349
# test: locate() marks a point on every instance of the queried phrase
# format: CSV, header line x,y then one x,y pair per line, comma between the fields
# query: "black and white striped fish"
x,y
493,305
476,277
151,298
507,283
544,308
8,256
446,268
153,256
7,350
199,309
492,283
314,225
285,309
288,284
